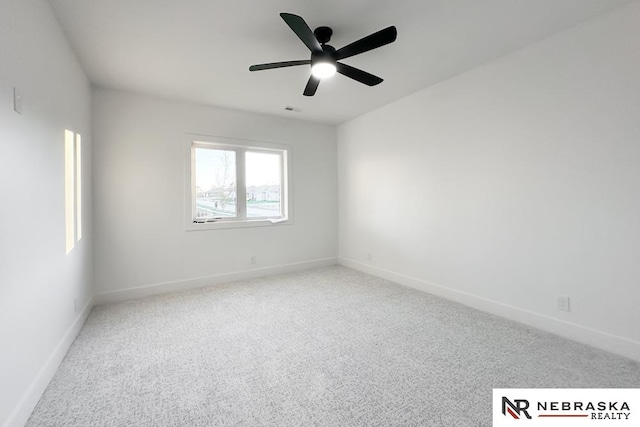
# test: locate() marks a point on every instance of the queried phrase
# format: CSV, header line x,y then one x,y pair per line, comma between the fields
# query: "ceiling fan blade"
x,y
259,67
357,74
312,86
372,41
302,30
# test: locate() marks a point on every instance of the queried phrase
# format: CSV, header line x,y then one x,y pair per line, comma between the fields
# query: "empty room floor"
x,y
324,347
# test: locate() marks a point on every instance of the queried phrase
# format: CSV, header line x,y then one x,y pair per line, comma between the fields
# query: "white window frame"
x,y
240,146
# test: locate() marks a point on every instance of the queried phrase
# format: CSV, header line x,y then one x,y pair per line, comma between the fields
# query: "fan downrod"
x,y
323,34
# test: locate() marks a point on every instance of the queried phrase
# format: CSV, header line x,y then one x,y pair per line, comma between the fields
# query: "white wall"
x,y
38,282
511,184
139,198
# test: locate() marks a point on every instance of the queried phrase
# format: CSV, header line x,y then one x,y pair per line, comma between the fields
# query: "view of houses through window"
x,y
222,174
263,184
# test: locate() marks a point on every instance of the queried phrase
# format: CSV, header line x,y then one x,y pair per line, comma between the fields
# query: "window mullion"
x,y
241,187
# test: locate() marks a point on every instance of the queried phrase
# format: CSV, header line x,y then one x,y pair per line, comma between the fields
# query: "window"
x,y
72,188
235,183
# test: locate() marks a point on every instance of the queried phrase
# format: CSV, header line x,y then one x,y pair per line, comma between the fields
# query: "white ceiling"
x,y
200,50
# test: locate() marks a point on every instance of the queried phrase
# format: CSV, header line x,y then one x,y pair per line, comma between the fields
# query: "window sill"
x,y
222,224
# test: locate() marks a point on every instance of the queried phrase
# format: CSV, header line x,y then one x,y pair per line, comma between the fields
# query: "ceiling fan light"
x,y
323,70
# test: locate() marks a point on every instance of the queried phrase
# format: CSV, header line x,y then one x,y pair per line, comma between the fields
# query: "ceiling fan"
x,y
324,57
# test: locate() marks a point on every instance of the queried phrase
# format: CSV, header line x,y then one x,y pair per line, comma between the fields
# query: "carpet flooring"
x,y
325,347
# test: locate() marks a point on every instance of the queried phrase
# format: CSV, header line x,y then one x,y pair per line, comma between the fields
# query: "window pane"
x,y
264,182
215,183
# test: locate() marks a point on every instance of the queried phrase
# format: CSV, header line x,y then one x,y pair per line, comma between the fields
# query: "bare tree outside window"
x,y
216,195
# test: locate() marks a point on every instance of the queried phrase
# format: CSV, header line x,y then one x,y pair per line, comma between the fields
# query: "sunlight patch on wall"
x,y
78,175
72,188
69,212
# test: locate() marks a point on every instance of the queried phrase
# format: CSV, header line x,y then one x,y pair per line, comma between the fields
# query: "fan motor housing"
x,y
328,54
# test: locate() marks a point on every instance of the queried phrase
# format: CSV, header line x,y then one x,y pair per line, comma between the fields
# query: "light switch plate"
x,y
17,101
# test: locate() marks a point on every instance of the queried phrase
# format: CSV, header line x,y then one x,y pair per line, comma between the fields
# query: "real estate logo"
x,y
520,406
566,407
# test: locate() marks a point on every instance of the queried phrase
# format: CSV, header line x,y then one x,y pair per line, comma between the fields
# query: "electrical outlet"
x,y
563,303
253,259
369,256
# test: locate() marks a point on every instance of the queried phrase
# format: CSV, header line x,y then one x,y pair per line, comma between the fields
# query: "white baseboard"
x,y
31,397
201,282
612,343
